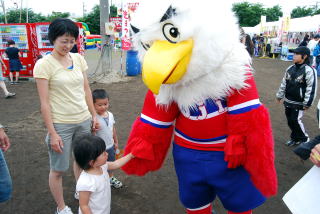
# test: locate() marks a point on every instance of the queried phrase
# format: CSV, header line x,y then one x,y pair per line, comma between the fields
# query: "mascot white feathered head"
x,y
190,50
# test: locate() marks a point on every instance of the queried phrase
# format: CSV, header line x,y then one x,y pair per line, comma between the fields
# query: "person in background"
x,y
316,55
305,41
5,178
249,45
7,94
66,103
74,49
15,65
298,90
312,45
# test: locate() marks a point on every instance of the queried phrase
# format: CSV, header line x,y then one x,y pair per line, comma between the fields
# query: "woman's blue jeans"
x,y
5,180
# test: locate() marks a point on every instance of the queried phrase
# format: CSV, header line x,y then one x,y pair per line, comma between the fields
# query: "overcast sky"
x,y
76,6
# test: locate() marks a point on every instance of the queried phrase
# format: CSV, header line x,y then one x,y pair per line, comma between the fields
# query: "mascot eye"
x,y
171,33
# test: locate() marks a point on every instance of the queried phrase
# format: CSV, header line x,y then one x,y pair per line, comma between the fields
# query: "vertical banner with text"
x,y
125,38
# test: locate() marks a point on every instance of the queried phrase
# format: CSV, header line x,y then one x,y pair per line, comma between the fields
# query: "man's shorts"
x,y
204,174
68,132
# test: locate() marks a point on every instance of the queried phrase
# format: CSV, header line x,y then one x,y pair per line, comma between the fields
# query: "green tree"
x,y
93,20
13,16
273,13
249,14
54,15
113,11
302,12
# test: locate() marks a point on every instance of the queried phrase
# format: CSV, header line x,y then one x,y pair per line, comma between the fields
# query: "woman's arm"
x,y
84,197
120,162
43,90
89,101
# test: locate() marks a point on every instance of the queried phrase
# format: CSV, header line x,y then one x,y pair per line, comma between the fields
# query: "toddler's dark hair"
x,y
87,148
99,94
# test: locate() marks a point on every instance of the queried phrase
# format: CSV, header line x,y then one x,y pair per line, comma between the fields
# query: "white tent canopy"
x,y
304,24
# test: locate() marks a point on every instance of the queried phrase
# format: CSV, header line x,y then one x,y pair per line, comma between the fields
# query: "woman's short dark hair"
x,y
11,42
99,94
87,148
62,26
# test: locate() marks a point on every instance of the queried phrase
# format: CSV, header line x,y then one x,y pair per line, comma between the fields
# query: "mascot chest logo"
x,y
205,110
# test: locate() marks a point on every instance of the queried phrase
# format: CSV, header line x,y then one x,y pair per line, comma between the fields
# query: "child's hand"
x,y
131,155
306,107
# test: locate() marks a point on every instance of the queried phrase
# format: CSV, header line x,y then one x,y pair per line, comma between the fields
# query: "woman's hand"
x,y
56,143
4,140
315,155
95,124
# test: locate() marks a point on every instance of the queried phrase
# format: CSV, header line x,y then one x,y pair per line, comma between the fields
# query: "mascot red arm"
x,y
250,142
150,137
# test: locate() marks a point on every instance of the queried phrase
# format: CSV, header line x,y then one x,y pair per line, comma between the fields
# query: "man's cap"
x,y
317,36
301,50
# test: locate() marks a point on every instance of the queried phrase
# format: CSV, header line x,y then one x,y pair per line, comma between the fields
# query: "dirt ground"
x,y
155,193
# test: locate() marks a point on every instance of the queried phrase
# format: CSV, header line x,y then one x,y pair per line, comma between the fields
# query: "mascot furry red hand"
x,y
202,92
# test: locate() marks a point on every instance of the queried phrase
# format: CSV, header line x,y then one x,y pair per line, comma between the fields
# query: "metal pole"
x,y
27,16
4,11
104,17
20,11
83,9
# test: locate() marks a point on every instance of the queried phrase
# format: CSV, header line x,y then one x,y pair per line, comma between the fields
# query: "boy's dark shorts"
x,y
111,154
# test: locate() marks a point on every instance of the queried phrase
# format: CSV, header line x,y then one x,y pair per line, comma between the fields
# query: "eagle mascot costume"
x,y
203,98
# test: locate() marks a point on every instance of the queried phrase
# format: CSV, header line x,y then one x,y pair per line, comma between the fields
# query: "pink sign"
x,y
126,44
133,6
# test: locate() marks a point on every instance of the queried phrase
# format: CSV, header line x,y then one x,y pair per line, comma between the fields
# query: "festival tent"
x,y
303,24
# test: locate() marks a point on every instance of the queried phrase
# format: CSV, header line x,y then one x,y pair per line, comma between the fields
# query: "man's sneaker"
x,y
9,95
66,210
291,143
76,195
115,183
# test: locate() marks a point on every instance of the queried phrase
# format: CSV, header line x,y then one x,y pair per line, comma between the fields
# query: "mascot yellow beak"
x,y
166,63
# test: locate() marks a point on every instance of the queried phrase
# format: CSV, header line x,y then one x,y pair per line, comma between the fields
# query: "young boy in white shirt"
x,y
107,129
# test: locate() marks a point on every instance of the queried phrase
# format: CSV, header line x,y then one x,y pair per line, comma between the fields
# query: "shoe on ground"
x,y
114,182
11,83
16,83
9,95
76,195
66,210
292,143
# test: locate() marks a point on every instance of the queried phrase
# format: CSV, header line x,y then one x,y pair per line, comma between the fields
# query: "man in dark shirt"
x,y
13,54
